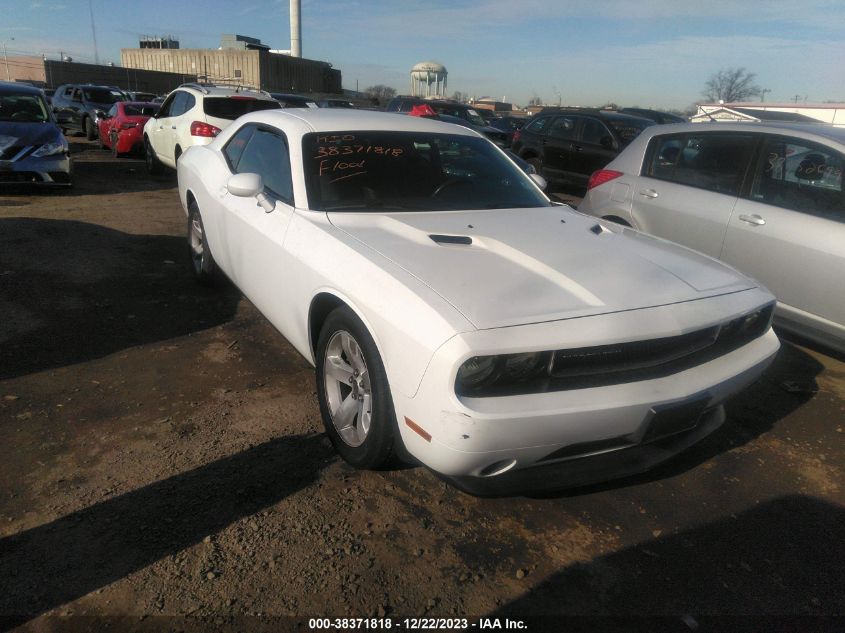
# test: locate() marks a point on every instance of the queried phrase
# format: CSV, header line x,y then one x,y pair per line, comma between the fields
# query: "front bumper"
x,y
502,442
56,171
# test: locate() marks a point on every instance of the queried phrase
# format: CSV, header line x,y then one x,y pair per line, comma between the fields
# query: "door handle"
x,y
577,148
648,193
172,127
755,219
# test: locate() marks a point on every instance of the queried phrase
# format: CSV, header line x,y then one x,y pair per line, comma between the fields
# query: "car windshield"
x,y
232,107
420,171
141,109
103,95
23,108
629,129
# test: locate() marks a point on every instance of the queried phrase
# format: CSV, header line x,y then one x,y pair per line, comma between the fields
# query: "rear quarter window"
x,y
231,108
716,162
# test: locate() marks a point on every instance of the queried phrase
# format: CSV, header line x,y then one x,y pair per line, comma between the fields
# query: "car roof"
x,y
613,115
342,119
211,90
804,130
14,87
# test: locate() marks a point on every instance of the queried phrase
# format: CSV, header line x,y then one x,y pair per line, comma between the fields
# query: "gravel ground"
x,y
163,461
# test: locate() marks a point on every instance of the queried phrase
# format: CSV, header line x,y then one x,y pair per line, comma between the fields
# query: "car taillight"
x,y
516,136
198,128
128,125
602,176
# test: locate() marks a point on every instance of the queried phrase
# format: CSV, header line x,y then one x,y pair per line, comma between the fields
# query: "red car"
x,y
122,127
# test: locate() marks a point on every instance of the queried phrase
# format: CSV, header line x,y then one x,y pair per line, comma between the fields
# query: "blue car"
x,y
33,149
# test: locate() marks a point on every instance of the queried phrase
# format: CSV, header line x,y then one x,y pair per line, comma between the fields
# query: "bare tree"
x,y
380,92
731,84
459,96
535,101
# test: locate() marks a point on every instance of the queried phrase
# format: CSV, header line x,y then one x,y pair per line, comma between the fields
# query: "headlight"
x,y
477,371
481,373
50,149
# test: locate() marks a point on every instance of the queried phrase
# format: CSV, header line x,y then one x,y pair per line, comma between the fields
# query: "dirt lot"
x,y
163,456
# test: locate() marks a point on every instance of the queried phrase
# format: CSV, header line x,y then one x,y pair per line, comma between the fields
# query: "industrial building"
x,y
240,59
50,73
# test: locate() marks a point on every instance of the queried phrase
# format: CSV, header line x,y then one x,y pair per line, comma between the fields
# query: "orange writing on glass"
x,y
345,150
328,166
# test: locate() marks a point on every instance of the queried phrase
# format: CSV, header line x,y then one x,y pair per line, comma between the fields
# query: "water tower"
x,y
428,79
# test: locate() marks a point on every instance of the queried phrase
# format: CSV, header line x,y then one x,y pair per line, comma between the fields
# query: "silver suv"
x,y
194,114
766,198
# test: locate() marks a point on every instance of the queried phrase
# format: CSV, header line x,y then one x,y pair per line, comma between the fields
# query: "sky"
x,y
648,53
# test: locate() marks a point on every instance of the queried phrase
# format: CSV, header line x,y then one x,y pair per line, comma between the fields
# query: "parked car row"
x,y
491,376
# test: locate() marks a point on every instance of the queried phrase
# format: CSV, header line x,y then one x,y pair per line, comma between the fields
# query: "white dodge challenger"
x,y
458,317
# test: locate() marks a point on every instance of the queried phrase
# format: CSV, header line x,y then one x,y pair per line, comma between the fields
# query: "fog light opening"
x,y
497,468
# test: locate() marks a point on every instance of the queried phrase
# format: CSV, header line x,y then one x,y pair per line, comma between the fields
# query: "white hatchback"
x,y
194,114
458,317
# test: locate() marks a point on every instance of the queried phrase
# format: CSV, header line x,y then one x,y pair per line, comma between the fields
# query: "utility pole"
x,y
93,32
763,94
6,59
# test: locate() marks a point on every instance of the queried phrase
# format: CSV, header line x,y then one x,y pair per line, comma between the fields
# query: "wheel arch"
x,y
322,304
617,219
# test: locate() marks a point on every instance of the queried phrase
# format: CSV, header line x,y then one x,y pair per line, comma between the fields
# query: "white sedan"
x,y
458,317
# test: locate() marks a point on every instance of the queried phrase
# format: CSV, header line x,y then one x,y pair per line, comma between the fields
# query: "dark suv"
x,y
78,105
442,106
566,145
451,111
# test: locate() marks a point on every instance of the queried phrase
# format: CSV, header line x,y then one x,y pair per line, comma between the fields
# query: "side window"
x,y
664,156
178,105
563,127
167,106
235,146
77,95
112,111
593,131
716,162
538,125
266,154
189,103
802,176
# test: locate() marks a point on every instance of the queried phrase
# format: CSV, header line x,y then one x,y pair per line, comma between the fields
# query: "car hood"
x,y
539,264
21,134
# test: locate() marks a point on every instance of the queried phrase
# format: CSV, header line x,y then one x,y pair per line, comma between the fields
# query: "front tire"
x,y
150,158
353,392
202,262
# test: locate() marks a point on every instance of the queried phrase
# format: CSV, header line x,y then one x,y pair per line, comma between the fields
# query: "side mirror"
x,y
539,181
250,186
100,114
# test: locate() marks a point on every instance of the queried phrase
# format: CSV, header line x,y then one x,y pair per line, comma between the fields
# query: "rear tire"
x,y
537,164
353,392
90,130
202,261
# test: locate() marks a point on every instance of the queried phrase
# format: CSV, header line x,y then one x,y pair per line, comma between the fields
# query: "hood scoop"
x,y
461,240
